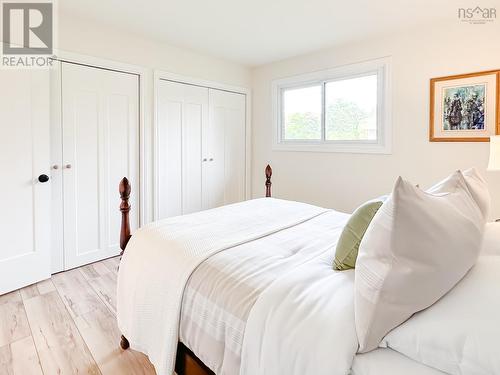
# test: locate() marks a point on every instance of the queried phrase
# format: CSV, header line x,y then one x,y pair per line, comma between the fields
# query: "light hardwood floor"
x,y
66,325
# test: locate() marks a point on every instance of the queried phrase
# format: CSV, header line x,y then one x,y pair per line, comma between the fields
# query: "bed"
x,y
217,312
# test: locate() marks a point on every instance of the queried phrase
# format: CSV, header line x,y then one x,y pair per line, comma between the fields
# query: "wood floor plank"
x,y
34,290
13,322
45,286
76,293
20,358
91,271
105,287
112,264
29,291
100,331
14,296
60,346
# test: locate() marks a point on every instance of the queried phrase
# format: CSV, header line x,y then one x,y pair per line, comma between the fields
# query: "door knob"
x,y
55,166
43,178
211,159
67,166
204,159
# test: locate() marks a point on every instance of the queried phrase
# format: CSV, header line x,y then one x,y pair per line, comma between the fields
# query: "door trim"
x,y
159,75
145,165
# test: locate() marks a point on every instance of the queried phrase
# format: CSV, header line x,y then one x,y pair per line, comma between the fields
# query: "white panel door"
x,y
24,200
226,143
182,116
100,126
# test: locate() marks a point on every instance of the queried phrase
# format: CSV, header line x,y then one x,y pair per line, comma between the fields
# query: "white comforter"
x,y
310,330
222,291
160,258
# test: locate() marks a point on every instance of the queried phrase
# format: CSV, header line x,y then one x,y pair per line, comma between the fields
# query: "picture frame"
x,y
465,107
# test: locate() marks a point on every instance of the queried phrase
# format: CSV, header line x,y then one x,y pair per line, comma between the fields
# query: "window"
x,y
339,110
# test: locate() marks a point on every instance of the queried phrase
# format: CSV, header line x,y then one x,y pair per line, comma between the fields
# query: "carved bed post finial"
x,y
269,173
125,209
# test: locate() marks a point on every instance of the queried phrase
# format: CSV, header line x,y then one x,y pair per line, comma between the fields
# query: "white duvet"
x,y
303,324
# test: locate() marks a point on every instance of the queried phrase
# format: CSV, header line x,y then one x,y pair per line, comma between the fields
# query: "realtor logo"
x,y
27,28
477,15
27,34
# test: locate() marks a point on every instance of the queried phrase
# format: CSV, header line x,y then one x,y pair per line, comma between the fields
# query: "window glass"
x,y
302,113
351,109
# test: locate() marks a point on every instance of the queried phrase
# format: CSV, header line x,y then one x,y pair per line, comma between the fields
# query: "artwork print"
x,y
464,107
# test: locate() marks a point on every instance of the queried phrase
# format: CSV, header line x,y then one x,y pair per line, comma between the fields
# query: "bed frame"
x,y
186,363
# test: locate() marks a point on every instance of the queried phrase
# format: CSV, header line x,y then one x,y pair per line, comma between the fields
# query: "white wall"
x,y
343,181
87,38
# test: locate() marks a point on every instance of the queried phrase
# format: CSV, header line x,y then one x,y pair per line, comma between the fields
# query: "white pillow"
x,y
479,190
417,247
475,183
460,333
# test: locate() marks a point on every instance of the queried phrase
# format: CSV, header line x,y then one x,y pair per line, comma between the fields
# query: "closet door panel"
x,y
182,115
169,156
25,202
234,166
192,158
227,139
217,154
100,146
122,153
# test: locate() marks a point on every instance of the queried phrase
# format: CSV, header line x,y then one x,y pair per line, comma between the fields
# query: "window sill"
x,y
334,147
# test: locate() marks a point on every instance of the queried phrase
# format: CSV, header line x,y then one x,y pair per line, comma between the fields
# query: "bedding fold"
x,y
160,258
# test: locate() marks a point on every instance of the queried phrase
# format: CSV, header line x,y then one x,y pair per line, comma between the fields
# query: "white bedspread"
x,y
310,331
222,291
160,258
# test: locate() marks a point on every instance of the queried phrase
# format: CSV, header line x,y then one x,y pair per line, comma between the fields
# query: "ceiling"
x,y
256,32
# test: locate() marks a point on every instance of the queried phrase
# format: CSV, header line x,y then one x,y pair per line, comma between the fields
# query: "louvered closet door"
x,y
225,177
24,200
182,118
100,120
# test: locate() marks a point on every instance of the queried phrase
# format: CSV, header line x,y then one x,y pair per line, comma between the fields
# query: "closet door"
x,y
100,125
24,198
182,117
225,177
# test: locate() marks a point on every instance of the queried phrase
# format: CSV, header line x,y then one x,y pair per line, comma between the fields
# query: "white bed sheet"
x,y
389,362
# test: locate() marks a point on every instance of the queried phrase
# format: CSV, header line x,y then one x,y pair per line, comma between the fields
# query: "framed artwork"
x,y
465,108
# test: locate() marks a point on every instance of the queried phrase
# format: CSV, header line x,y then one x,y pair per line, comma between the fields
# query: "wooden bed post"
x,y
125,209
269,173
125,235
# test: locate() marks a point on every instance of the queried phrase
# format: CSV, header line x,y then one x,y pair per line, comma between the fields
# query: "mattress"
x,y
222,290
389,362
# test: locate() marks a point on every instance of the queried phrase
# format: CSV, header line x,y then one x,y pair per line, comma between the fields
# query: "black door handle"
x,y
43,178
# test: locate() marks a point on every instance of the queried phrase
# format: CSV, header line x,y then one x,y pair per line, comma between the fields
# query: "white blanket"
x,y
310,330
161,256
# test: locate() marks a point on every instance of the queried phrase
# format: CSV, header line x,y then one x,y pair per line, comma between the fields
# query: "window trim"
x,y
383,144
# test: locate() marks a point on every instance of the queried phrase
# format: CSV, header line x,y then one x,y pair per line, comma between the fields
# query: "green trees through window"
x,y
350,108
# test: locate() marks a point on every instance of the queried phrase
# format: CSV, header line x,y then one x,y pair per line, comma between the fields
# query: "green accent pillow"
x,y
350,238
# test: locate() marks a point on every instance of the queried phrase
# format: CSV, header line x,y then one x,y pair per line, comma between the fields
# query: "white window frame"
x,y
383,144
